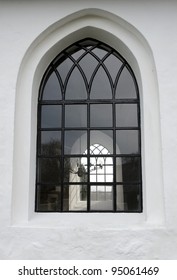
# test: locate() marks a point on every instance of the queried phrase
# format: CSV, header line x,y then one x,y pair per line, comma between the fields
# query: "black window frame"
x,y
63,102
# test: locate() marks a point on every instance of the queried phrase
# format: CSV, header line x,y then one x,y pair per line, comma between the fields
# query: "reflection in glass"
x,y
50,143
127,142
76,88
76,115
75,198
126,86
126,115
132,198
49,170
101,115
130,169
101,198
75,169
75,141
101,88
103,137
48,198
88,64
51,116
101,169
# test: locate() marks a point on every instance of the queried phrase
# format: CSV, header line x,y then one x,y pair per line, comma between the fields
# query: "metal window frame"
x,y
113,101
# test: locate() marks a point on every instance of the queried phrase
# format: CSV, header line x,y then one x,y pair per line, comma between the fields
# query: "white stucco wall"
x,y
31,34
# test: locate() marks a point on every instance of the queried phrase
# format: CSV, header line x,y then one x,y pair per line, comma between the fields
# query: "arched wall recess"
x,y
130,43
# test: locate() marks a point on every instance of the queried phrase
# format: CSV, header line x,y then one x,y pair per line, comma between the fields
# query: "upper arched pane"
x,y
52,89
126,87
89,69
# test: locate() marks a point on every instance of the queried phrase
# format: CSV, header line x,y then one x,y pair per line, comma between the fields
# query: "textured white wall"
x,y
56,237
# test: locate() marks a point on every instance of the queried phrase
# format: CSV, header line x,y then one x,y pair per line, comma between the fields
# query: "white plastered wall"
x,y
131,44
30,235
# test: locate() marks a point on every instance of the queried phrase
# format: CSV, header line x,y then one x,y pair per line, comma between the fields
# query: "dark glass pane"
x,y
64,68
48,198
75,141
88,64
101,88
76,115
126,115
101,115
127,141
51,116
101,198
113,65
75,169
128,169
89,43
102,137
126,86
131,198
50,143
75,198
52,90
99,52
49,170
76,88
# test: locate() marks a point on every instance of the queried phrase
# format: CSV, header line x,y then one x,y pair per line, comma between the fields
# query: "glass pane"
x,y
101,88
99,52
126,86
101,169
101,198
75,169
64,68
101,115
129,198
126,115
76,88
49,170
88,64
128,169
75,198
113,65
97,149
50,143
102,137
51,116
127,141
76,116
75,141
77,54
48,198
52,90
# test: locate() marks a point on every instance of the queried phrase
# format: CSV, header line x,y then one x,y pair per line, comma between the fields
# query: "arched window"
x,y
88,140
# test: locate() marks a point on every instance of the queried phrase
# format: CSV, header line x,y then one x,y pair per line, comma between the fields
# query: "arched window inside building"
x,y
88,140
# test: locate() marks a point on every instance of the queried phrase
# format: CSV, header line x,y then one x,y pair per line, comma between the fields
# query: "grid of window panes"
x,y
88,140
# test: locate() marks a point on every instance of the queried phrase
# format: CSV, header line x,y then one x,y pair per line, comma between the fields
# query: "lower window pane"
x,y
49,170
101,198
75,198
48,198
128,198
128,169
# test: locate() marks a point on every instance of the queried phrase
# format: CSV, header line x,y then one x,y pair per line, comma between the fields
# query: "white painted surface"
x,y
31,34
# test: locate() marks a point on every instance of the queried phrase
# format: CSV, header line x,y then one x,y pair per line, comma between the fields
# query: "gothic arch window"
x,y
88,139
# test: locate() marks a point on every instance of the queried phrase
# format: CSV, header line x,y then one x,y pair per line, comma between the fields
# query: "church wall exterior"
x,y
32,33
